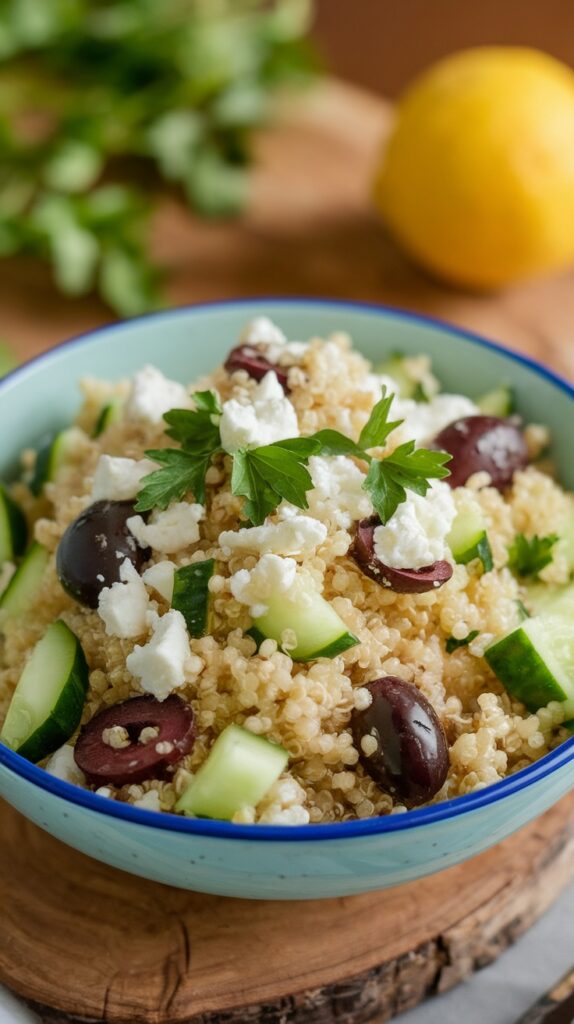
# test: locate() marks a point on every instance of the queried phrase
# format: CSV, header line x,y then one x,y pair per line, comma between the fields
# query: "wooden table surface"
x,y
310,230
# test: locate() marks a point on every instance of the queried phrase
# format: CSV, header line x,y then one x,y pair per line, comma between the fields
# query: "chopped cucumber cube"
x,y
48,701
13,528
468,539
498,402
318,630
191,595
111,413
23,587
396,367
238,772
536,661
50,458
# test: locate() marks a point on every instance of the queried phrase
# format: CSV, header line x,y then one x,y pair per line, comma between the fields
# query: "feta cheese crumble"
x,y
165,663
424,420
296,535
415,535
173,530
160,577
63,766
337,494
272,575
123,607
262,331
119,479
152,395
269,417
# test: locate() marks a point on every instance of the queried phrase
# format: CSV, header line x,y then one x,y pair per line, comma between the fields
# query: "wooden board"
x,y
93,943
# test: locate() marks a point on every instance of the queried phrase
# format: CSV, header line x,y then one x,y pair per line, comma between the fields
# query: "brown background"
x,y
383,43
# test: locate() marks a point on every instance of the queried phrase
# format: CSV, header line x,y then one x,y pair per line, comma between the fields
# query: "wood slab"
x,y
85,942
80,940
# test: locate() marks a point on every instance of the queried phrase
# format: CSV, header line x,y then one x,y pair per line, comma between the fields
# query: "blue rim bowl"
x,y
271,861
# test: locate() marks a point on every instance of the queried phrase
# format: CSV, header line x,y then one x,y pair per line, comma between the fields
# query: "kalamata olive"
x,y
93,548
244,357
402,581
401,742
483,443
143,757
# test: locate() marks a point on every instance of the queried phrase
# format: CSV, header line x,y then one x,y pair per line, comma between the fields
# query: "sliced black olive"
x,y
483,443
402,581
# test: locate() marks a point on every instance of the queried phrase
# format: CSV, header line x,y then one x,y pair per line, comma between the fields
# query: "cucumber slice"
x,y
23,587
50,458
238,772
545,599
191,595
536,661
48,701
468,539
395,367
13,528
111,413
319,630
498,402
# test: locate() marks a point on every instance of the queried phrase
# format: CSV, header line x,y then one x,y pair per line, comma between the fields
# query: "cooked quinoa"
x,y
305,707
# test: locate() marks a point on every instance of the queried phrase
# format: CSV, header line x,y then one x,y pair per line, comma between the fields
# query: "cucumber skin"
x,y
498,402
343,643
528,678
16,525
109,414
65,717
481,550
191,595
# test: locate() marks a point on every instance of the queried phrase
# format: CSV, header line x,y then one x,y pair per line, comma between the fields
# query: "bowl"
x,y
266,861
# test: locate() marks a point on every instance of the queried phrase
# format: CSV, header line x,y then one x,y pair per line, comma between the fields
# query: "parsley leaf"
x,y
196,430
376,430
334,443
406,468
181,472
267,475
453,644
529,557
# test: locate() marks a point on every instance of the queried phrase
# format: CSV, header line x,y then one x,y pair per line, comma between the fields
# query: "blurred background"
x,y
381,44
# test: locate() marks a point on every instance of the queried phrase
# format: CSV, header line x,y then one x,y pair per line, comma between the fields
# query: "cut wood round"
x,y
80,940
84,942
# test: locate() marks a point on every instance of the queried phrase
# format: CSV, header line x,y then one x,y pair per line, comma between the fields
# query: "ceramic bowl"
x,y
278,862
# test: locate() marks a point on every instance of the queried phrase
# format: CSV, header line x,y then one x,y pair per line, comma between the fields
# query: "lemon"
x,y
477,182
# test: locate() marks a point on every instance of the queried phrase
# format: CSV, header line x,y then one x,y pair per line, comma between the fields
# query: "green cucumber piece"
x,y
239,770
13,528
50,458
468,539
191,595
498,402
319,630
110,413
542,598
536,661
23,587
47,704
408,388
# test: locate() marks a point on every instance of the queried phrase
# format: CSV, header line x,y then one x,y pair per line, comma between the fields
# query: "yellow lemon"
x,y
477,181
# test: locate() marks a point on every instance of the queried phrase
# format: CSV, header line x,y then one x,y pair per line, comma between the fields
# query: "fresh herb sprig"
x,y
92,91
277,472
528,557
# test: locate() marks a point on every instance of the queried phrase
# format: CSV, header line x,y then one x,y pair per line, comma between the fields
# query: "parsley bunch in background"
x,y
91,88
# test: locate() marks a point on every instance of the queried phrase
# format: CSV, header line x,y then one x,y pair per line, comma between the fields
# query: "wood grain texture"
x,y
93,943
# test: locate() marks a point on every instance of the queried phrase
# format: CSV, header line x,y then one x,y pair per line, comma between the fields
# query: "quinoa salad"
x,y
302,589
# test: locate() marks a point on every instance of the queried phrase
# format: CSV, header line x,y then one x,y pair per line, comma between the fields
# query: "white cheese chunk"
x,y
337,494
152,395
416,534
160,577
295,535
165,663
123,607
119,479
262,331
268,418
272,575
149,801
63,766
173,530
424,420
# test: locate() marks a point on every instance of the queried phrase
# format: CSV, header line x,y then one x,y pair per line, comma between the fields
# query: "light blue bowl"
x,y
277,862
